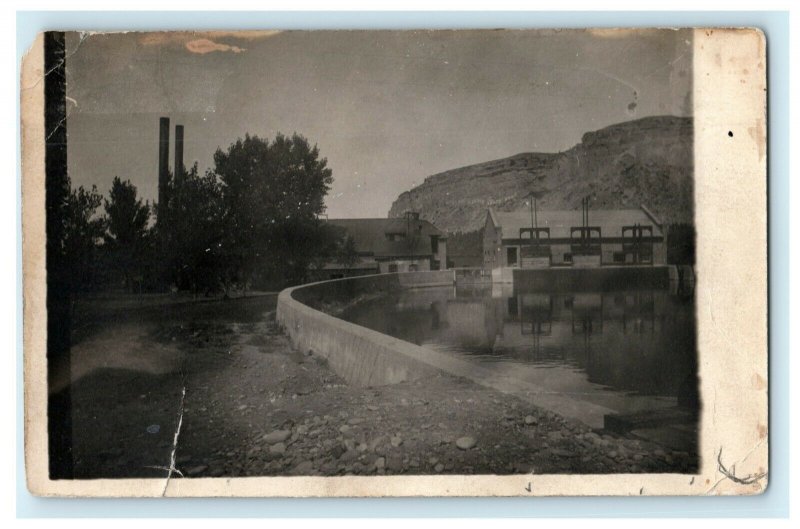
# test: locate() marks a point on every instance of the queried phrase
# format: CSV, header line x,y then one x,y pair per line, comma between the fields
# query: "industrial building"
x,y
407,244
572,238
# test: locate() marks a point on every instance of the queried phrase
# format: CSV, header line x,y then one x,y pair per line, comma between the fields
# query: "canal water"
x,y
622,351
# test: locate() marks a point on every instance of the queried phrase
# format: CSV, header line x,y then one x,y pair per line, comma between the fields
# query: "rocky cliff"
x,y
647,161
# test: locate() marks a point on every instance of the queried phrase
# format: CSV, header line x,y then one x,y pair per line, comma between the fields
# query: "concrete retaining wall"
x,y
361,356
368,358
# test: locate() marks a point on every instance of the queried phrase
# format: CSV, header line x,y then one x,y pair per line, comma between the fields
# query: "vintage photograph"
x,y
334,254
369,253
372,253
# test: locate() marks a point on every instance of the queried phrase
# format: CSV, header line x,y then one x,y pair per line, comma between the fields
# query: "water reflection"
x,y
629,350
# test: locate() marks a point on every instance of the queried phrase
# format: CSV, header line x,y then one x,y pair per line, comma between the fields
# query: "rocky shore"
x,y
255,407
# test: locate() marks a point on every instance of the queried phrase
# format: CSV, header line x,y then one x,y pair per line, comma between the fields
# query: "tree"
x,y
82,234
348,253
273,194
328,246
126,221
190,233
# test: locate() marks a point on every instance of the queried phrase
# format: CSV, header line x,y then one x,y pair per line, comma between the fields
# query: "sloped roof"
x,y
370,236
610,221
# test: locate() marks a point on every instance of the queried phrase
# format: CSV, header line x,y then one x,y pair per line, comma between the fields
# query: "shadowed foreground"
x,y
255,407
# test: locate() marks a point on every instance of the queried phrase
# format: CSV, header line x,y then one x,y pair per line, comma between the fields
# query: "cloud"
x,y
203,46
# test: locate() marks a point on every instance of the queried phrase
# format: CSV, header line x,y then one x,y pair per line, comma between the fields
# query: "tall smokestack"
x,y
178,153
163,160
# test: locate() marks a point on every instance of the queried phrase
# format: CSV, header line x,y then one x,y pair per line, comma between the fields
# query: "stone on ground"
x,y
199,469
278,436
466,442
304,467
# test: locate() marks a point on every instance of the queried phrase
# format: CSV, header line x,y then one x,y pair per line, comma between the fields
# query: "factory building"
x,y
406,244
572,238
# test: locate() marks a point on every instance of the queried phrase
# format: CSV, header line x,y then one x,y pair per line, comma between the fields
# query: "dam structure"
x,y
591,352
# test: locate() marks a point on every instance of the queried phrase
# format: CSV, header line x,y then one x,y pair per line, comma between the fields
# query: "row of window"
x,y
587,232
642,254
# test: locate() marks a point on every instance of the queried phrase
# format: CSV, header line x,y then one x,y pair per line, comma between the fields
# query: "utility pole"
x,y
534,219
587,211
530,203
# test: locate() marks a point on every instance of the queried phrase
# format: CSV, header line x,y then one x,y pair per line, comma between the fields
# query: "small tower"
x,y
178,167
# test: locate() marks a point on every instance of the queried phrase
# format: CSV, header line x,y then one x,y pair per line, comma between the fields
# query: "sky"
x,y
386,108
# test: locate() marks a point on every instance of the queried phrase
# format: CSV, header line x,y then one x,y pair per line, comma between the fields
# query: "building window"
x,y
619,257
434,245
511,256
637,242
585,240
512,306
392,268
567,257
412,267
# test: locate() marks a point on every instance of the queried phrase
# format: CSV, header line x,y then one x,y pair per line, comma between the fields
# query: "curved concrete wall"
x,y
359,355
368,358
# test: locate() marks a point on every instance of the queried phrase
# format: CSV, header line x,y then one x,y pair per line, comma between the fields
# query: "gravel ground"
x,y
254,407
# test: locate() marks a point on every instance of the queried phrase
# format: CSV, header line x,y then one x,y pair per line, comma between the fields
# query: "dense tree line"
x,y
253,221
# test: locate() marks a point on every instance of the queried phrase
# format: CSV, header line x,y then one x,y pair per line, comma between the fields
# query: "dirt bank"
x,y
255,407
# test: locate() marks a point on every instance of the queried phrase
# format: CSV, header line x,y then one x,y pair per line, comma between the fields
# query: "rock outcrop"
x,y
647,161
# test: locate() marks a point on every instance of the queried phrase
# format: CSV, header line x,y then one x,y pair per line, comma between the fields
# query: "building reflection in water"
x,y
535,314
637,342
